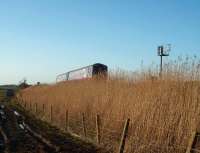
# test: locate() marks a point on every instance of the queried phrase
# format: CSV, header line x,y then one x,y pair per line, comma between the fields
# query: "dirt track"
x,y
45,139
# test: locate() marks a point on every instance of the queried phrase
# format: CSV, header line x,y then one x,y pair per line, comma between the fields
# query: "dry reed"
x,y
163,112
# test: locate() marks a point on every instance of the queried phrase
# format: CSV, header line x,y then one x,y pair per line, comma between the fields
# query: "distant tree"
x,y
23,84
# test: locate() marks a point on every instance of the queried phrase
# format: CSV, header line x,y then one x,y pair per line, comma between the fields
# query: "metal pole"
x,y
161,65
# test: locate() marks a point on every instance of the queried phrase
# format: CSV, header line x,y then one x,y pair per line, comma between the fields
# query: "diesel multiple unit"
x,y
84,73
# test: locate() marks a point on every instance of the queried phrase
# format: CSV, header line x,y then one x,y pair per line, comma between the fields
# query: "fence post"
x,y
22,104
36,108
51,113
30,106
25,104
84,126
66,120
192,142
98,136
123,137
43,108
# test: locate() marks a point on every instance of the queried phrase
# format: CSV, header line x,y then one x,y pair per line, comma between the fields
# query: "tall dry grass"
x,y
163,112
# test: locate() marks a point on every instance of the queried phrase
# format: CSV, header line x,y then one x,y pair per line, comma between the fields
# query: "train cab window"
x,y
99,69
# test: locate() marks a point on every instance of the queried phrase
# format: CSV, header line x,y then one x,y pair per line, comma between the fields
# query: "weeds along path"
x,y
20,132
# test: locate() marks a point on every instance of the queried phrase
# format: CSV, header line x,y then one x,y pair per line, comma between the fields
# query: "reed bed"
x,y
163,111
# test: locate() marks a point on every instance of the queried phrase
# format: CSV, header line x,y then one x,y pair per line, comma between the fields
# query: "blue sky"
x,y
42,38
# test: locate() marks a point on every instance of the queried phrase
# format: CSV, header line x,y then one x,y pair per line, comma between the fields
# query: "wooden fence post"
x,y
123,137
21,102
36,109
25,104
98,136
51,113
66,120
30,106
84,126
192,142
43,108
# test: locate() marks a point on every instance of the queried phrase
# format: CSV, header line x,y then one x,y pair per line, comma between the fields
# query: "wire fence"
x,y
124,138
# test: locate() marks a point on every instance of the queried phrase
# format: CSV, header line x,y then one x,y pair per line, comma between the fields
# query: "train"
x,y
86,72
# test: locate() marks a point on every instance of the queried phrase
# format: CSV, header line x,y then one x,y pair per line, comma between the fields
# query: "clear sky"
x,y
42,38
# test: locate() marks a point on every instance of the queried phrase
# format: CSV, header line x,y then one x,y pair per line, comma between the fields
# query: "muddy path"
x,y
21,132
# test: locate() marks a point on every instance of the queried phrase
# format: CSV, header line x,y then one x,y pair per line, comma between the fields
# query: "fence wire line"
x,y
195,150
123,121
132,138
155,144
160,146
111,131
161,128
141,125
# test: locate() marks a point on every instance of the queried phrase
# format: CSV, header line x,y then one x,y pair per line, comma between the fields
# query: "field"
x,y
163,111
